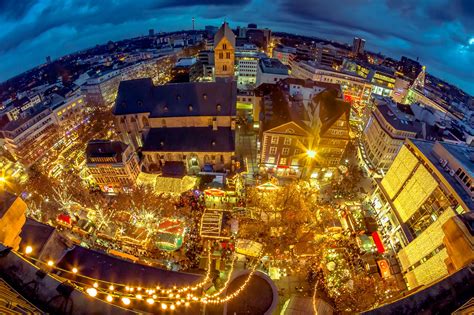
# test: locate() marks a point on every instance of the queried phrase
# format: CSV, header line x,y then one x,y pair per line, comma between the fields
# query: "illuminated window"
x,y
285,151
274,139
273,150
282,161
287,141
271,160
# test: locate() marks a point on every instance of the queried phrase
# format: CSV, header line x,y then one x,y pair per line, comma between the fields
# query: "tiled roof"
x,y
331,108
176,99
190,139
224,31
105,148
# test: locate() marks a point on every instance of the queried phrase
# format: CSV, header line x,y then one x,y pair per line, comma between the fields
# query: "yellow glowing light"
x,y
126,301
164,306
172,307
50,263
96,285
109,298
311,154
91,291
139,296
127,289
74,270
111,288
139,289
186,304
170,295
150,301
28,250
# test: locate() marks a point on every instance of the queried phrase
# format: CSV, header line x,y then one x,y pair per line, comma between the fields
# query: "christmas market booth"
x,y
169,234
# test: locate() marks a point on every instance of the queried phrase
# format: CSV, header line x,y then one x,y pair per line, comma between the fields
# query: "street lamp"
x,y
311,154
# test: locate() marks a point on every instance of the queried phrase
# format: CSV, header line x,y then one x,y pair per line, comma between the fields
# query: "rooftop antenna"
x,y
193,23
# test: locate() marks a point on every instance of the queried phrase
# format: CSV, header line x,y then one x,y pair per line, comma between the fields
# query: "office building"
x,y
409,67
113,165
30,136
224,52
356,89
381,78
390,123
284,54
190,123
358,45
271,71
101,89
12,219
206,59
247,58
388,126
427,184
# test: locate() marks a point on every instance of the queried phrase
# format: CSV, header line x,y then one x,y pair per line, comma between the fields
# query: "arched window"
x,y
289,130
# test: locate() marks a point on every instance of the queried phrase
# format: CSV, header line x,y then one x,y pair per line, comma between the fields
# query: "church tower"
x,y
224,52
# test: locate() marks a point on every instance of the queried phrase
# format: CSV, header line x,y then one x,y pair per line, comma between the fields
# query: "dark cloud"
x,y
437,31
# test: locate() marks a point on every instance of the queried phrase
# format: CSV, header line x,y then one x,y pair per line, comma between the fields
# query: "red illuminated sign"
x,y
378,242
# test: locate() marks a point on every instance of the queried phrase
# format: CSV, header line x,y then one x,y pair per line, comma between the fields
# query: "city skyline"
x,y
440,35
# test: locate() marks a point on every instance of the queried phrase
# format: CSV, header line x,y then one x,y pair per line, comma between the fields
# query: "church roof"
x,y
224,31
176,99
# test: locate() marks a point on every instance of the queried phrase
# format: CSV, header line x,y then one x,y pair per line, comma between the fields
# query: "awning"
x,y
214,192
267,186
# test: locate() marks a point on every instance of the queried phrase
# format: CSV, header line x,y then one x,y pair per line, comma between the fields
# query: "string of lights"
x,y
224,287
169,298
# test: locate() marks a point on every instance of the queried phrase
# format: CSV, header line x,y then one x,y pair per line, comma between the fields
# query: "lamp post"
x,y
310,154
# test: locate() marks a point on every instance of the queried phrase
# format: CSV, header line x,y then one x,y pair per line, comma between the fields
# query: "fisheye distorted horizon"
x,y
440,33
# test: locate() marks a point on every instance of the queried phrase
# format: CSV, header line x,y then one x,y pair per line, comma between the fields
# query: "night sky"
x,y
439,32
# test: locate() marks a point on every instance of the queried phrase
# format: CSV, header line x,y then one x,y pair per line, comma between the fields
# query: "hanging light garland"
x,y
168,297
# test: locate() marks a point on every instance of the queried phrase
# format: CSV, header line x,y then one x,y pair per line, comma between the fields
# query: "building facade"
x,y
12,219
192,123
30,136
224,52
284,54
102,88
356,89
271,71
385,132
427,184
247,67
113,164
292,126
